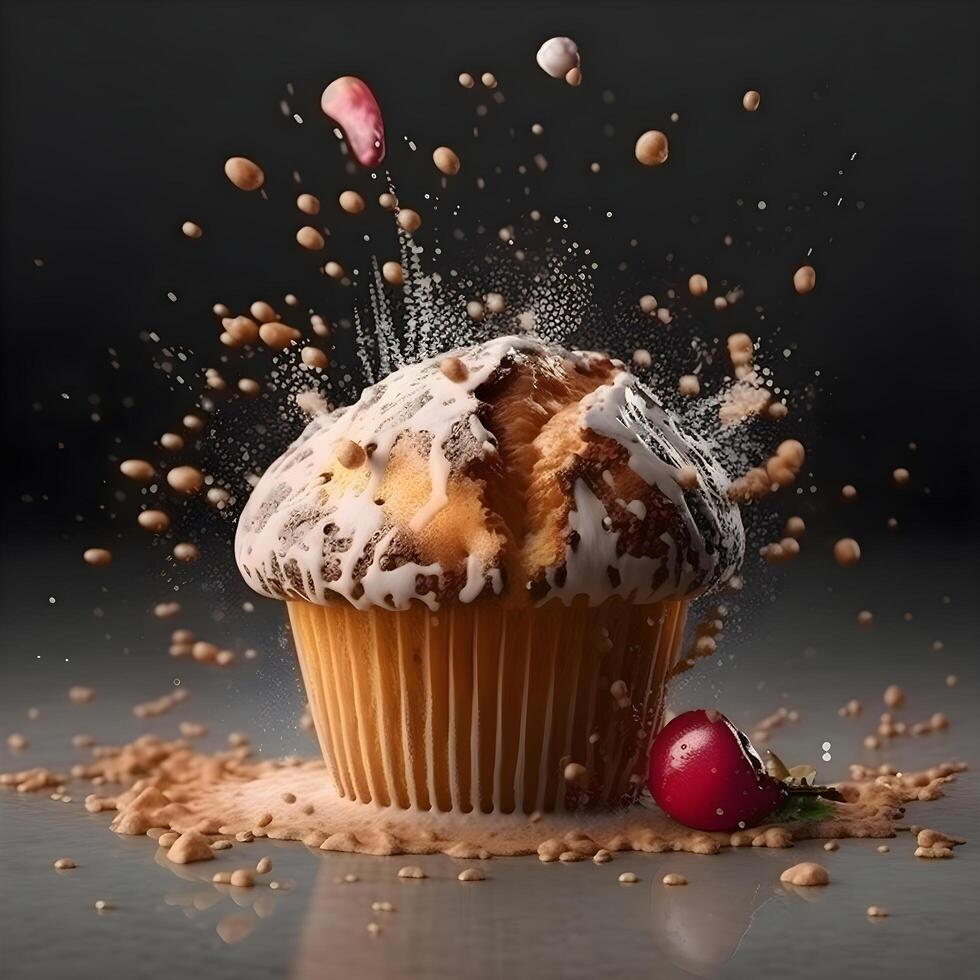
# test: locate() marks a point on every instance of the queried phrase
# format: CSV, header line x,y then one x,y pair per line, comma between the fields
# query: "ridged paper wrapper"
x,y
479,707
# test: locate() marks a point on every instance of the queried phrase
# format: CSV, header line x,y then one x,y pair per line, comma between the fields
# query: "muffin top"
x,y
512,468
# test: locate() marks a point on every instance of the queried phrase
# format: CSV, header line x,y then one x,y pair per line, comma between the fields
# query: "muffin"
x,y
487,563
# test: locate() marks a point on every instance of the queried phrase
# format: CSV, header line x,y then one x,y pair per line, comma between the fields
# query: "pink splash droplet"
x,y
352,106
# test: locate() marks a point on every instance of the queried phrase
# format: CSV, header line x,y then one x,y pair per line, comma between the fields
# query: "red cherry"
x,y
706,774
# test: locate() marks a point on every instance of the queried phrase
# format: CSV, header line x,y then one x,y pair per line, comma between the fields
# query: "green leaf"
x,y
803,808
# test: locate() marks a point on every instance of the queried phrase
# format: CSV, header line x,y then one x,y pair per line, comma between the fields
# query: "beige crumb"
x,y
65,864
806,874
877,912
154,521
310,238
795,527
185,479
189,847
689,385
894,696
98,557
308,204
831,845
138,470
652,148
244,174
674,879
349,454
409,220
471,874
411,871
804,279
847,552
393,273
351,202
495,303
186,552
446,160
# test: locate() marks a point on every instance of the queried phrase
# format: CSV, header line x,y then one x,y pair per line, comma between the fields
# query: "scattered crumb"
x,y
806,874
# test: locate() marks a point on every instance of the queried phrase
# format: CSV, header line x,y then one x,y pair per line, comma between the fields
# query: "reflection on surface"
x,y
699,928
201,894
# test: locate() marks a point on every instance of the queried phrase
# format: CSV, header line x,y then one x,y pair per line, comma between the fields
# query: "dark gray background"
x,y
118,116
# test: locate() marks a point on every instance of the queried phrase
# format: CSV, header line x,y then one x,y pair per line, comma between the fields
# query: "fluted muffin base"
x,y
478,707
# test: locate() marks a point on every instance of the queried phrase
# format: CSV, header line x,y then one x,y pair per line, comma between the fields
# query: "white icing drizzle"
x,y
628,413
295,541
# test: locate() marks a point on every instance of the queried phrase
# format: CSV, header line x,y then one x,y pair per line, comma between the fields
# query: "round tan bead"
x,y
350,455
351,202
244,174
137,469
393,273
310,238
446,160
804,279
652,148
314,357
155,521
409,220
99,557
308,203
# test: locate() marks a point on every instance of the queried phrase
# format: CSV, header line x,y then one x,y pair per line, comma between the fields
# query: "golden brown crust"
x,y
535,472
